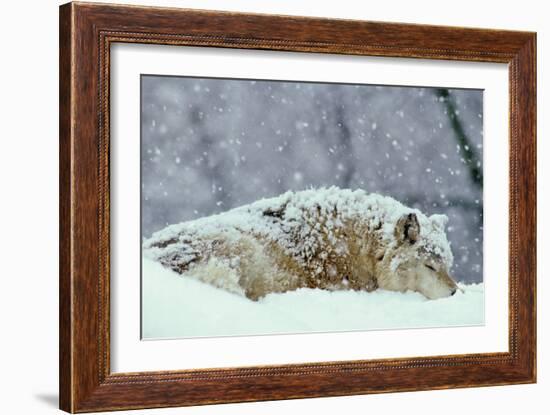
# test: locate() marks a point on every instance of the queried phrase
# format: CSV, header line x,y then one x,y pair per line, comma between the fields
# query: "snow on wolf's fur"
x,y
327,238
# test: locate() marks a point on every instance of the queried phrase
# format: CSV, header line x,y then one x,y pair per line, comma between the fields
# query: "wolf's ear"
x,y
407,228
439,221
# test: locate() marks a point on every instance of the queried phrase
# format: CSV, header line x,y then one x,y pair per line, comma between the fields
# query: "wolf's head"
x,y
418,258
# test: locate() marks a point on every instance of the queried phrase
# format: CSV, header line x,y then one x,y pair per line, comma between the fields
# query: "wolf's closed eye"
x,y
429,267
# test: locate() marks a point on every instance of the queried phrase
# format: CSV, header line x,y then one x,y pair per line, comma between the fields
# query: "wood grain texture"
x,y
86,33
65,246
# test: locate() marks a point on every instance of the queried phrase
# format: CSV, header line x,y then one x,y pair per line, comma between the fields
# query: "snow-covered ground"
x,y
175,306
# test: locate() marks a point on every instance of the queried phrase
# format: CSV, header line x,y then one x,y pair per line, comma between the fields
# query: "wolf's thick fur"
x,y
331,239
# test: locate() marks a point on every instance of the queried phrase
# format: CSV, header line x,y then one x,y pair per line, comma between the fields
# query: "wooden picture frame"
x,y
86,33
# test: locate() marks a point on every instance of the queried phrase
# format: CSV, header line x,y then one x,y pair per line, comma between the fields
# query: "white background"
x,y
131,355
29,172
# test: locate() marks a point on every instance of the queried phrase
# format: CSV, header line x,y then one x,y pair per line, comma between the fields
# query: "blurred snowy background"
x,y
209,145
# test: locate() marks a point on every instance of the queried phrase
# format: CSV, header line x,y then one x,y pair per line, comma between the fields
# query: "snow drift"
x,y
174,307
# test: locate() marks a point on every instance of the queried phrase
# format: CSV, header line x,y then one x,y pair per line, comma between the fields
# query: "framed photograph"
x,y
258,207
